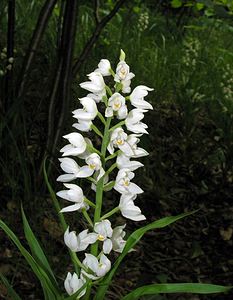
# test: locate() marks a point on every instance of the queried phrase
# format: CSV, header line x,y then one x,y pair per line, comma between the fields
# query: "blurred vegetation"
x,y
183,49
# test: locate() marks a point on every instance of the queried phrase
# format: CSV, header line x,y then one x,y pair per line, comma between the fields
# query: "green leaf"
x,y
36,249
52,292
196,288
199,6
176,3
131,242
10,291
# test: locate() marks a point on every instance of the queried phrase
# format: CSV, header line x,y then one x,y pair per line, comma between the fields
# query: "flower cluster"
x,y
227,83
5,63
191,53
80,159
143,21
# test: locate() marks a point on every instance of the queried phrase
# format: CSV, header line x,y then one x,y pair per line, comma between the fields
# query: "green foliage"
x,y
184,58
50,291
11,292
132,240
195,288
36,249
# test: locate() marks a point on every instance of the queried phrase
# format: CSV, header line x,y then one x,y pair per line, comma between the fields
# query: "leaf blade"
x,y
131,242
195,288
39,272
36,249
10,290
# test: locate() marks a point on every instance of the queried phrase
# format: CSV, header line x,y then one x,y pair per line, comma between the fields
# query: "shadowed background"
x,y
184,50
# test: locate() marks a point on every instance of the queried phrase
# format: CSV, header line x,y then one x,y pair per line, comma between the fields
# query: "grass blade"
x,y
39,272
131,242
36,249
194,288
11,292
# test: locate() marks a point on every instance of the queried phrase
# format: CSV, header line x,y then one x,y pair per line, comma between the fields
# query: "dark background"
x,y
184,50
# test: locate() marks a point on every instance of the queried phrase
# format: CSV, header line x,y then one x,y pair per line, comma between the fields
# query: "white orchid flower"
x,y
126,86
133,140
98,267
77,144
93,164
123,184
128,209
96,85
83,126
96,97
103,231
118,243
72,284
70,166
124,161
133,121
137,97
111,238
78,242
74,194
104,67
118,139
98,177
87,152
122,72
116,103
88,112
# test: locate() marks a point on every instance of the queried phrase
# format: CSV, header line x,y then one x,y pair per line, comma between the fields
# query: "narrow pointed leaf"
x,y
194,288
131,242
39,272
36,249
10,291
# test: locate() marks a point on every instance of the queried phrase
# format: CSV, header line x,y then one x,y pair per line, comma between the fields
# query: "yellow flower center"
x,y
117,104
123,71
101,237
126,182
120,142
92,166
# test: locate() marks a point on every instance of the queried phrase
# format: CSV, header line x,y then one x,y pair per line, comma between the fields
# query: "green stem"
x,y
110,169
117,125
88,291
108,90
112,72
91,179
105,99
85,214
100,116
93,149
79,263
112,155
96,130
89,202
118,87
110,213
100,183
